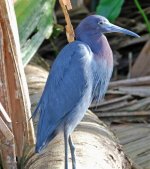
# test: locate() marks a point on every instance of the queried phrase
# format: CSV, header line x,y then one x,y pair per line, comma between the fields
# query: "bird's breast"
x,y
102,69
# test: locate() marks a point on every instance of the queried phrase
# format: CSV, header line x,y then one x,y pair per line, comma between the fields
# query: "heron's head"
x,y
96,25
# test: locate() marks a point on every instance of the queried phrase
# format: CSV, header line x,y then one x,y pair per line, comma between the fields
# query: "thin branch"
x,y
5,130
4,114
66,5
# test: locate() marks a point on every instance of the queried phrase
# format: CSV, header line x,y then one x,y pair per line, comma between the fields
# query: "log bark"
x,y
96,145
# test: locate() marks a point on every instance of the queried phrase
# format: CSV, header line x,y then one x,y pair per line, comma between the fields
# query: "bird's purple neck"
x,y
97,42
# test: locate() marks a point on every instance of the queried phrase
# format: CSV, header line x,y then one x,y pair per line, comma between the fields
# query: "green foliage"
x,y
1,167
109,8
35,23
147,22
57,30
28,152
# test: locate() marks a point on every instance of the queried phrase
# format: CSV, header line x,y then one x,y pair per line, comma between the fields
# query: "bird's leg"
x,y
66,149
72,149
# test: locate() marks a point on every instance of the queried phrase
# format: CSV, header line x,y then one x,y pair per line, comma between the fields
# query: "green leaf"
x,y
109,8
35,23
142,12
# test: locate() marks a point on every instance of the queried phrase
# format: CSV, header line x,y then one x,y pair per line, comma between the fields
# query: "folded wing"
x,y
64,88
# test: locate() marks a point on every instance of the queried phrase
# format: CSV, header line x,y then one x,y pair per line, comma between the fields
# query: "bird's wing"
x,y
63,90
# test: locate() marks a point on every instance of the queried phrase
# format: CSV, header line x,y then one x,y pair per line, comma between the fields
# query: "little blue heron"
x,y
79,76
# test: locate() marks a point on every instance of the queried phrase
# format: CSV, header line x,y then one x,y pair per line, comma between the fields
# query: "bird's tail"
x,y
39,147
36,110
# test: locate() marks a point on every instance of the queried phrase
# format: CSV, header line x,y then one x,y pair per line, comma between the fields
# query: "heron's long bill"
x,y
115,28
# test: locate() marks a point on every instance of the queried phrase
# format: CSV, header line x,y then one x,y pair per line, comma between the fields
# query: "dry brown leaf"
x,y
141,65
67,3
13,89
69,27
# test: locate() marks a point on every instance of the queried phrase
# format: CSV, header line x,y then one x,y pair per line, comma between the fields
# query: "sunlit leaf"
x,y
109,8
35,23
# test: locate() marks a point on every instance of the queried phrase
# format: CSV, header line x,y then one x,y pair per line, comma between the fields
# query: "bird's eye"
x,y
100,23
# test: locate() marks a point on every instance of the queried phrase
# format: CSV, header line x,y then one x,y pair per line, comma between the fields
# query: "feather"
x,y
65,86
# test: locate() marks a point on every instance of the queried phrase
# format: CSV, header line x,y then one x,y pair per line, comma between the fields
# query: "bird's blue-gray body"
x,y
79,76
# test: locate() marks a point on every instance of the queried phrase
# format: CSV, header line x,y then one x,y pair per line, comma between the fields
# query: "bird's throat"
x,y
98,44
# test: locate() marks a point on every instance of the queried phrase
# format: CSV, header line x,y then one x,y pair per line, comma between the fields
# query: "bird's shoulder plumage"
x,y
64,89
